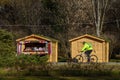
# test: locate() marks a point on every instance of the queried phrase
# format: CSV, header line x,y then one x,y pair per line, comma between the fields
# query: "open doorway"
x,y
36,47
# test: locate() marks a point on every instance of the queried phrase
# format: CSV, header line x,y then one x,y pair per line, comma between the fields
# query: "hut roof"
x,y
37,36
87,36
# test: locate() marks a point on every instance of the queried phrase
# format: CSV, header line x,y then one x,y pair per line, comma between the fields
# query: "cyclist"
x,y
87,49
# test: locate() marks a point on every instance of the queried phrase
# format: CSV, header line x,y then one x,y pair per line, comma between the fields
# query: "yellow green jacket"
x,y
87,46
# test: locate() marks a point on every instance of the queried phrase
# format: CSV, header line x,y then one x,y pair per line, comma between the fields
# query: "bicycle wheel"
x,y
93,58
78,58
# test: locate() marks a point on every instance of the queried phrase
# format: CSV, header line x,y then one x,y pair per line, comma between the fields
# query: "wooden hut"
x,y
41,45
100,46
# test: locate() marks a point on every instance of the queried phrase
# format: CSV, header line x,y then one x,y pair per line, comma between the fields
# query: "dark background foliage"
x,y
59,19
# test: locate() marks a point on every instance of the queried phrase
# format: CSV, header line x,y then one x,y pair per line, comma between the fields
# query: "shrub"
x,y
7,48
24,59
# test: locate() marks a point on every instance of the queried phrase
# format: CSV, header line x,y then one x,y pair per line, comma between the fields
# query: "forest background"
x,y
59,19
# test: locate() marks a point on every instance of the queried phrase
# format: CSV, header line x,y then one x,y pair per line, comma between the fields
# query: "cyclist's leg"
x,y
88,55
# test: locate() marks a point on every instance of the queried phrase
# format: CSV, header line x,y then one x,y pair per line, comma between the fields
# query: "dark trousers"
x,y
88,55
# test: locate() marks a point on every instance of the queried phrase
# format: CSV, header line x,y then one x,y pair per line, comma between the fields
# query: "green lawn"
x,y
114,60
61,78
61,72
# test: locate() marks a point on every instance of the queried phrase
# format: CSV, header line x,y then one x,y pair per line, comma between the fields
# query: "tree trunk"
x,y
99,9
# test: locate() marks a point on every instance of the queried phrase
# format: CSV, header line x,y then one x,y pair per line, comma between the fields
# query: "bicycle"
x,y
81,58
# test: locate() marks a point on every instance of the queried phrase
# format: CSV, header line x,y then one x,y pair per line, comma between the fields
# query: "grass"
x,y
61,78
61,72
114,60
29,78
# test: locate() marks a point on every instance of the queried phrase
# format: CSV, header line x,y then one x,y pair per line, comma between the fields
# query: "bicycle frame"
x,y
82,57
83,54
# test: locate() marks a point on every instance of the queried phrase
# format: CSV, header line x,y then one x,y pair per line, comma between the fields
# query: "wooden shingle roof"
x,y
87,36
37,36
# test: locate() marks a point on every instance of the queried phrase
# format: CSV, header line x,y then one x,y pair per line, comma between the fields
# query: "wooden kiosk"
x,y
42,45
100,46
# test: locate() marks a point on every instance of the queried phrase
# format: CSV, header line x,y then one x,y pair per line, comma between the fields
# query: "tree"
x,y
99,9
113,27
77,16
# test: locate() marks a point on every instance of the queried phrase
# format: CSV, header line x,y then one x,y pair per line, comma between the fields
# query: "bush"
x,y
24,59
7,48
62,59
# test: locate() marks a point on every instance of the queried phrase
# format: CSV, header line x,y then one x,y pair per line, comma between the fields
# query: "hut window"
x,y
36,46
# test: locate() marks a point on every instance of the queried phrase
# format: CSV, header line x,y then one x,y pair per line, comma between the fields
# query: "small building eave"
x,y
37,36
88,36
